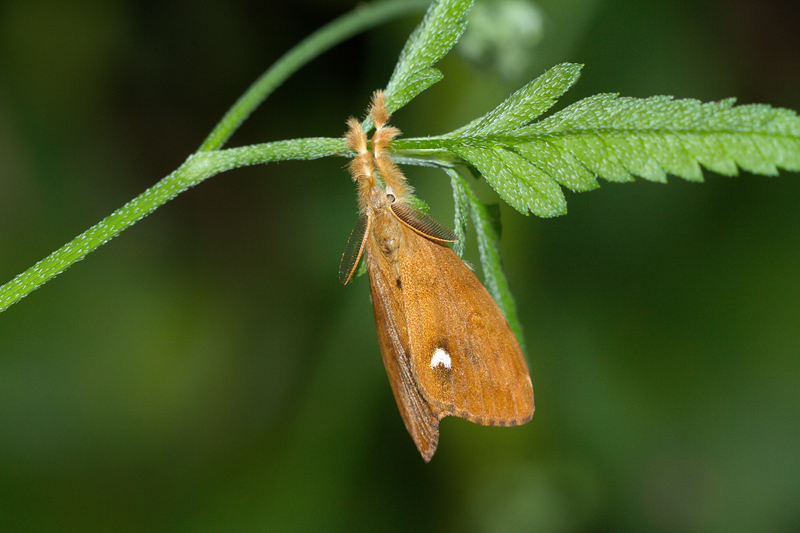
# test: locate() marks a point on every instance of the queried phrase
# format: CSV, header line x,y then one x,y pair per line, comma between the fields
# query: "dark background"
x,y
206,371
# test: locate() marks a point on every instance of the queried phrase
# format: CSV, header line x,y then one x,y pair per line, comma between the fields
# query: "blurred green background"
x,y
206,371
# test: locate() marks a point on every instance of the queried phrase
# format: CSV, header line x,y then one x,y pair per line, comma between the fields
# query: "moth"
x,y
447,348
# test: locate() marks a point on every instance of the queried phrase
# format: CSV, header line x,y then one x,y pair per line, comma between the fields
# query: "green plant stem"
x,y
209,160
352,23
197,168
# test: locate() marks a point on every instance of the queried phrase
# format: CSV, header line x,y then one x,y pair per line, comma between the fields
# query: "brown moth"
x,y
446,346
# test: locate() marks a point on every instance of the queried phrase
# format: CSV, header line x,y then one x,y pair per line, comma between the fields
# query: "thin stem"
x,y
352,23
209,160
197,168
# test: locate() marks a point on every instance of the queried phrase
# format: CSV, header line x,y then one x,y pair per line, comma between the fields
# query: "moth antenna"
x,y
377,109
382,137
390,173
362,166
393,177
380,116
355,136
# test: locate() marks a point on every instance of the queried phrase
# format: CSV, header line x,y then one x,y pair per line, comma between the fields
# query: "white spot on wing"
x,y
440,357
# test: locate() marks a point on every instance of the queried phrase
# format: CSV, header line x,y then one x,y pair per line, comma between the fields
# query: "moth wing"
x,y
352,252
423,223
465,357
387,304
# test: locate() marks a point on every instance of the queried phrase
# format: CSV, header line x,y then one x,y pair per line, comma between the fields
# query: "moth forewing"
x,y
452,319
353,250
422,223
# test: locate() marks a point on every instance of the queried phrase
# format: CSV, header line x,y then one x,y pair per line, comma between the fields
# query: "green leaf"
x,y
612,137
527,103
438,32
461,203
617,138
516,180
418,204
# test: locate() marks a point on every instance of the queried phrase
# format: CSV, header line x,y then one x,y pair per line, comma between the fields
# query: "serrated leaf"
x,y
440,29
620,137
527,103
616,138
414,85
517,181
562,166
